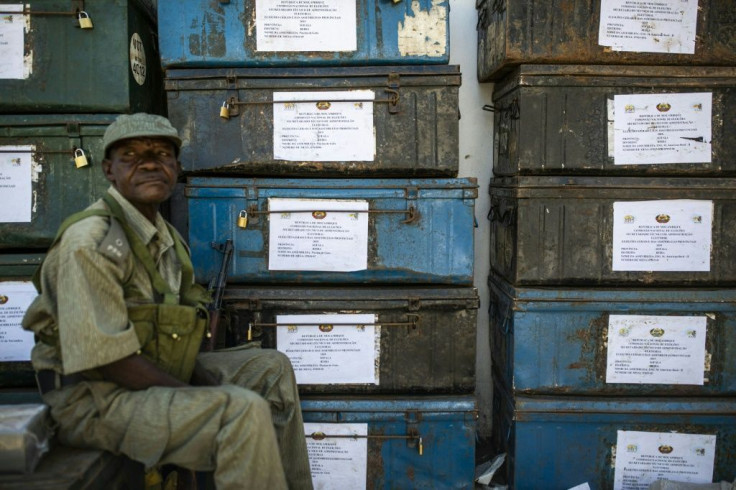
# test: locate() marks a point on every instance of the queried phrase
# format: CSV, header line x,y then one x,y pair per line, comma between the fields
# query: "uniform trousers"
x,y
249,431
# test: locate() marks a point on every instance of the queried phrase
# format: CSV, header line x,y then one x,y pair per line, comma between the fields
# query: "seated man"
x,y
119,322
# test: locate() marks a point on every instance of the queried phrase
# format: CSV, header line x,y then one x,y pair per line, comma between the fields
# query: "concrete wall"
x,y
476,160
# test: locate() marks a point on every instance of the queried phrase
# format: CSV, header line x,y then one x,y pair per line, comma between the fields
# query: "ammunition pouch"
x,y
170,335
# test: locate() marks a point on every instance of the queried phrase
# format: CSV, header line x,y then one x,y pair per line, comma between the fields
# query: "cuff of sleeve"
x,y
102,350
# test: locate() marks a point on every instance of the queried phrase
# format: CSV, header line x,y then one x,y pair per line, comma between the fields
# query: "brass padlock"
x,y
80,159
84,21
243,219
225,110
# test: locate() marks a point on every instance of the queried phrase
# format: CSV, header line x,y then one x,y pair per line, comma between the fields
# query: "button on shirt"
x,y
86,293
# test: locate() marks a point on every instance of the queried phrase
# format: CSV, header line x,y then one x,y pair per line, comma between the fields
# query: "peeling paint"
x,y
36,167
28,57
424,34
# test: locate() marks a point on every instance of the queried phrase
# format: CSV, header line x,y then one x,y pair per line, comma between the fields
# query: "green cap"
x,y
140,125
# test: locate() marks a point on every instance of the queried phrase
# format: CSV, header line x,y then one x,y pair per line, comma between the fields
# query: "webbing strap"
x,y
142,253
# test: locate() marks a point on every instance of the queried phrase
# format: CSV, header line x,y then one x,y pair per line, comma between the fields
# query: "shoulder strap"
x,y
64,225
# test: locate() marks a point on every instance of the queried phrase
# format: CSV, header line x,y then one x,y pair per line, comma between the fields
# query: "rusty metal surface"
x,y
555,119
559,442
566,32
86,70
435,355
59,188
554,341
558,230
418,137
446,424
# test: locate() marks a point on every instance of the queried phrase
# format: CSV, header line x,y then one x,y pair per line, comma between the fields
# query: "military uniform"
x,y
93,290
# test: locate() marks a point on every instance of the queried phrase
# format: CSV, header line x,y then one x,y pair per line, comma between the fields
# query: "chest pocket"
x,y
170,335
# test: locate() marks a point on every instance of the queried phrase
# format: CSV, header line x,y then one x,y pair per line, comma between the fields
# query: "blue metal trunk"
x,y
113,67
414,120
559,230
58,187
557,443
202,33
427,336
554,341
446,426
419,230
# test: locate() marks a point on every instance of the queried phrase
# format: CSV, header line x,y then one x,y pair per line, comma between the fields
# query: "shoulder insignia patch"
x,y
115,244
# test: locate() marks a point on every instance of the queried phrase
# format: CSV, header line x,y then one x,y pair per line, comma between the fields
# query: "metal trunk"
x,y
560,442
427,339
415,119
445,425
559,230
58,187
566,32
420,231
201,33
554,341
559,119
112,67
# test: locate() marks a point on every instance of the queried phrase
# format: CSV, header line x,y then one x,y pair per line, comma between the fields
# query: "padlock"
x,y
84,21
80,159
225,111
243,219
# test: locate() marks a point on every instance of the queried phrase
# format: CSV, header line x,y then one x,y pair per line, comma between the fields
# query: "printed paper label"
x,y
137,59
13,64
656,349
662,128
648,26
16,175
330,127
337,463
306,25
15,298
662,235
645,457
318,235
331,349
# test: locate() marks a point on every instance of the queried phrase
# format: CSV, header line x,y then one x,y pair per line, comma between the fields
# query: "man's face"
x,y
143,170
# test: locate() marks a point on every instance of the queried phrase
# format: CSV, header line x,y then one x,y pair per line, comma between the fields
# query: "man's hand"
x,y
202,377
135,372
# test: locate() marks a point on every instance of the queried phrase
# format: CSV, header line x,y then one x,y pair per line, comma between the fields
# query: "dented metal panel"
x,y
203,33
558,120
58,187
113,67
415,119
554,341
427,334
561,442
566,32
559,230
446,426
420,231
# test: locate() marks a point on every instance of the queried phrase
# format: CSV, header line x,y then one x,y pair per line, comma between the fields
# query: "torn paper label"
x,y
16,176
648,27
15,298
13,61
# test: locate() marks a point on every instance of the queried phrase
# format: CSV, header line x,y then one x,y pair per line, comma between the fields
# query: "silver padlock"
x,y
243,219
225,110
84,21
80,159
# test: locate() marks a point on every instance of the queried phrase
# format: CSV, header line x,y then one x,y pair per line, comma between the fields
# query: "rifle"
x,y
217,290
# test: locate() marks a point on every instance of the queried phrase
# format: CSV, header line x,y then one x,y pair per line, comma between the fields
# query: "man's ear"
x,y
107,169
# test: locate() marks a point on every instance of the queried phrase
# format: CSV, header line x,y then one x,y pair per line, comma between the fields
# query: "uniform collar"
x,y
146,230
